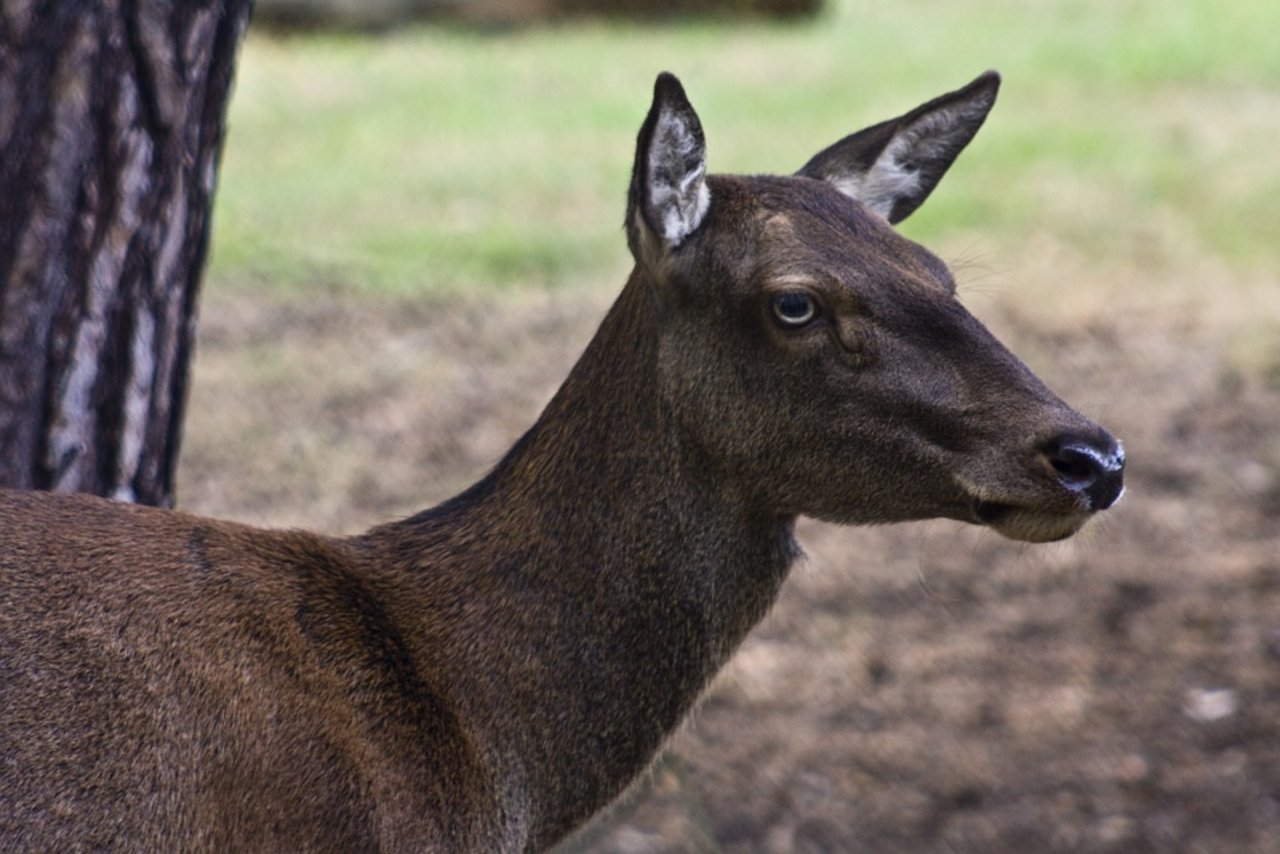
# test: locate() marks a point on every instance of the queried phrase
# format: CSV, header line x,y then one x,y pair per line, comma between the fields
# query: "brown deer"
x,y
485,675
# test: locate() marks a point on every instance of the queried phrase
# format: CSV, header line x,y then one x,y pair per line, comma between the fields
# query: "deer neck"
x,y
579,598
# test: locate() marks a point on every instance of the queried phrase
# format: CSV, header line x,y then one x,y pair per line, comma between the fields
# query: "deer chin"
x,y
1026,524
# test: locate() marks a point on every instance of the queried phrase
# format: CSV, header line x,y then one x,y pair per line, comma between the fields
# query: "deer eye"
x,y
793,309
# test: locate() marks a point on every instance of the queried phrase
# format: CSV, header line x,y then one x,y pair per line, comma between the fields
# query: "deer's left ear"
x,y
669,196
893,166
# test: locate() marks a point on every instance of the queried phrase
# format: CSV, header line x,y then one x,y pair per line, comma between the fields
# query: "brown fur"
x,y
487,674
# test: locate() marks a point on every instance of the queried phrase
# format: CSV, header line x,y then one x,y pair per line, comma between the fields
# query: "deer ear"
x,y
893,166
669,196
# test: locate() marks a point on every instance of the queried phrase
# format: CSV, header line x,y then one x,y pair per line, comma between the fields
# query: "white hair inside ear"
x,y
678,196
893,166
880,187
896,173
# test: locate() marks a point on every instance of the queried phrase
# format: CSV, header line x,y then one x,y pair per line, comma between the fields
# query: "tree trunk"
x,y
111,124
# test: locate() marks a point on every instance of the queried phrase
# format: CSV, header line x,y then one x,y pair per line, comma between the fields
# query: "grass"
x,y
440,158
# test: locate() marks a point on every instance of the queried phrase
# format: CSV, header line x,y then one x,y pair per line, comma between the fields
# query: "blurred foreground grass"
x,y
439,158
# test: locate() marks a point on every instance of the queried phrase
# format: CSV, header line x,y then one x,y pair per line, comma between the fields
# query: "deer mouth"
x,y
1026,524
1085,475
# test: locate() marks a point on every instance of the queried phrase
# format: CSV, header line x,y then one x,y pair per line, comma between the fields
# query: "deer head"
x,y
824,361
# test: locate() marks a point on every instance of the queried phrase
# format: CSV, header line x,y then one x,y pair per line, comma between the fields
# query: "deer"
x,y
489,673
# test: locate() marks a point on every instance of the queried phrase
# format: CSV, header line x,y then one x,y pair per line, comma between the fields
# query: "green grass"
x,y
443,158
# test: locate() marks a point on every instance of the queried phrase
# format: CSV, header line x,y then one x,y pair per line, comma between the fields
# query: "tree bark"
x,y
111,124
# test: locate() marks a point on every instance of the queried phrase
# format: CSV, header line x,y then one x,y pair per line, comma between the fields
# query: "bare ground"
x,y
925,687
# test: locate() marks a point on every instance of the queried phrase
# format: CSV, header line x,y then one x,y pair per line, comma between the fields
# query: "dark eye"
x,y
793,309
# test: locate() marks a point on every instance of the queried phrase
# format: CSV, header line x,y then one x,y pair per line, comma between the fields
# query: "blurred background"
x,y
418,226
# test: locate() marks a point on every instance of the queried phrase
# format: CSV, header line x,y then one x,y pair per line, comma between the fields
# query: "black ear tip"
x,y
667,89
989,80
981,92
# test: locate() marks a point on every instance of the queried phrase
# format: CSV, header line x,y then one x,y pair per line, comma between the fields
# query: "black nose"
x,y
1094,468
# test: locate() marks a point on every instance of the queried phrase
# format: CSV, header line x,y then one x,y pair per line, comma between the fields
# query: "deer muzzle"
x,y
1082,476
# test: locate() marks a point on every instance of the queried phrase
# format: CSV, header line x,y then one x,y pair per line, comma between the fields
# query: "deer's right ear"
x,y
893,166
669,196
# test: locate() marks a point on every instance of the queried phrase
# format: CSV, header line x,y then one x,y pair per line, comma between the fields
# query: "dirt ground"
x,y
924,687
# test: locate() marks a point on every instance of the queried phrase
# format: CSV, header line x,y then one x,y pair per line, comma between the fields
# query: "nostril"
x,y
1094,470
1075,467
